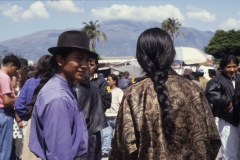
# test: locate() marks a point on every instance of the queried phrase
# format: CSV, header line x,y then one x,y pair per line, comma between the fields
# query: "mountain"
x,y
122,38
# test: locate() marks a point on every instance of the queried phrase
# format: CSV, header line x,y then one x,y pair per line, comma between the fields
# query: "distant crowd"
x,y
64,109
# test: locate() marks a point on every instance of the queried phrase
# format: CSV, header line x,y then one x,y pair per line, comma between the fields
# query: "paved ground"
x,y
218,157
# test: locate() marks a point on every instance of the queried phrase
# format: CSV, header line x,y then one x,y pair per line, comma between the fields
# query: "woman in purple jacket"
x,y
25,97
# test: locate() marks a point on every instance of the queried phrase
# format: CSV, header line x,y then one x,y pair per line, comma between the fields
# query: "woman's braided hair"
x,y
155,54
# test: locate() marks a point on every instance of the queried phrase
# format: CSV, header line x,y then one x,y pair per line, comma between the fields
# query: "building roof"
x,y
134,71
119,57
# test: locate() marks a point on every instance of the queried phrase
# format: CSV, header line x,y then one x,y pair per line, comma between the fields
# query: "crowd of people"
x,y
62,109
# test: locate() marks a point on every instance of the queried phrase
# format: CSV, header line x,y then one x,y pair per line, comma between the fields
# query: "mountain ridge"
x,y
122,38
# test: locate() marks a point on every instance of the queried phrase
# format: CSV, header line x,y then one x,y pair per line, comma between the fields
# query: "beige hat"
x,y
187,71
116,73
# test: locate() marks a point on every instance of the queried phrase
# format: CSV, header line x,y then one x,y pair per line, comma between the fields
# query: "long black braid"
x,y
155,54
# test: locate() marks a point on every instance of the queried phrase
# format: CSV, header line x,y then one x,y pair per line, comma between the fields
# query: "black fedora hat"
x,y
72,39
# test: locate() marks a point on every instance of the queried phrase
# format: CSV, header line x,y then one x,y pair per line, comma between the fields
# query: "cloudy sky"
x,y
19,18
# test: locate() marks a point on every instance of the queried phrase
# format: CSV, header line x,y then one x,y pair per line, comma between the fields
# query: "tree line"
x,y
170,25
223,43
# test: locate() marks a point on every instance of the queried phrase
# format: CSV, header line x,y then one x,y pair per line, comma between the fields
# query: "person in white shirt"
x,y
111,114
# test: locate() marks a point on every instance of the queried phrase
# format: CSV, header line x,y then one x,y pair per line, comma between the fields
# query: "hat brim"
x,y
59,50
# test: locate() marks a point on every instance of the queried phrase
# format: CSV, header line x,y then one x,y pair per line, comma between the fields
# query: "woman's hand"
x,y
20,124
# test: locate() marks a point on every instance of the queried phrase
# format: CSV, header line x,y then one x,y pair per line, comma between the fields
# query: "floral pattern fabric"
x,y
139,133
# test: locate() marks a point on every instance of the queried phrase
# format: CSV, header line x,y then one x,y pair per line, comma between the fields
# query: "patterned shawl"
x,y
139,132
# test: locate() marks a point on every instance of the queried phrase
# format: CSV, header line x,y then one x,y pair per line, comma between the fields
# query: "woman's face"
x,y
230,70
126,75
73,66
15,82
110,81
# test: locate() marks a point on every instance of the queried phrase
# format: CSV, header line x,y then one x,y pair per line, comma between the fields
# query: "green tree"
x,y
172,26
6,52
224,42
94,34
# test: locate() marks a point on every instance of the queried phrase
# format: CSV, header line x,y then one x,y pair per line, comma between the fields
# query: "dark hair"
x,y
47,75
126,72
121,74
26,72
86,78
23,62
200,74
155,54
186,76
194,76
93,58
11,58
228,59
43,66
114,78
23,75
30,71
212,72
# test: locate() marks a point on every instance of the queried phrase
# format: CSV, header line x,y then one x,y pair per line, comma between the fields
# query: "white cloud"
x,y
14,12
37,9
64,6
230,24
150,13
17,13
200,14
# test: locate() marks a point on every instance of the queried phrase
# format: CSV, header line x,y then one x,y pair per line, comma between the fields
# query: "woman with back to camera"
x,y
24,98
163,116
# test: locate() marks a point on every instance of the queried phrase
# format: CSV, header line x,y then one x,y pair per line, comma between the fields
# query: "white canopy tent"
x,y
190,55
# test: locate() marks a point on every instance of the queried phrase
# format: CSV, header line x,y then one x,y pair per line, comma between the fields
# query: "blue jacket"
x,y
25,97
123,83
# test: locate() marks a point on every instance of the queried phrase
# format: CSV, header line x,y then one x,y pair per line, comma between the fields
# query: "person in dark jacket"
x,y
220,93
123,83
236,99
212,73
89,97
195,78
99,82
